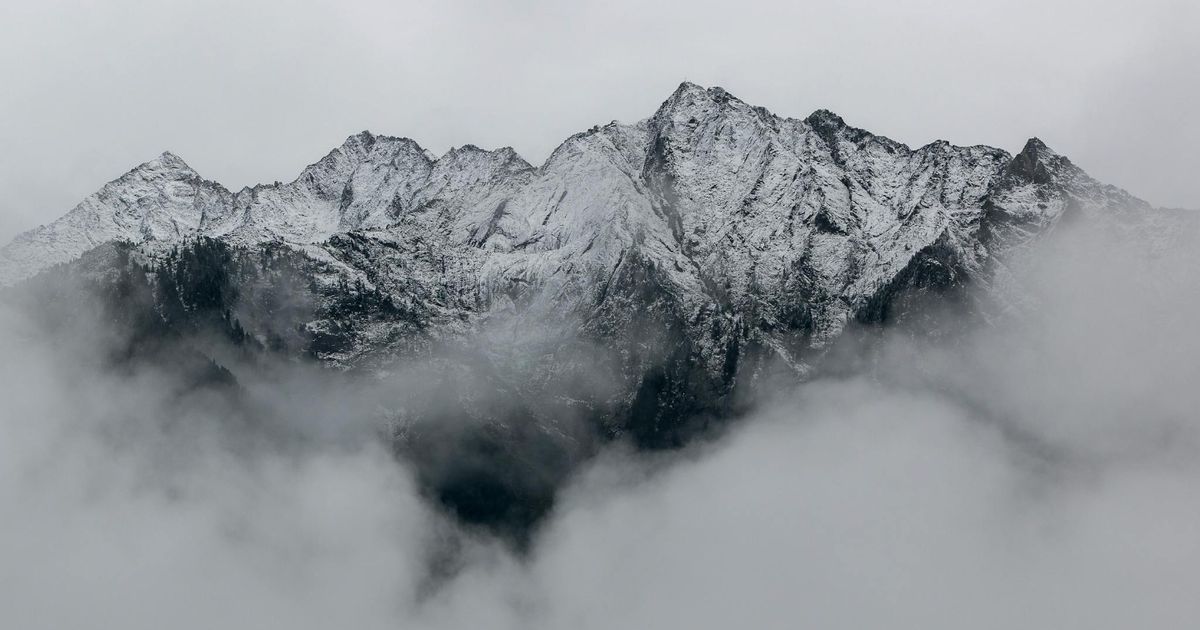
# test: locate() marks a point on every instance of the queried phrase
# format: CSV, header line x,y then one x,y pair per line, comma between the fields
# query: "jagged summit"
x,y
708,249
687,87
166,158
692,102
1035,145
689,90
1036,151
365,140
637,285
164,162
706,175
1038,164
825,118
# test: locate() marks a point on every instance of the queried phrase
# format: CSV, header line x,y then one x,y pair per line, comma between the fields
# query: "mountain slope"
x,y
636,284
788,228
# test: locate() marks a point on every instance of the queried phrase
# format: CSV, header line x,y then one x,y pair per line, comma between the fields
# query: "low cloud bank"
x,y
1043,471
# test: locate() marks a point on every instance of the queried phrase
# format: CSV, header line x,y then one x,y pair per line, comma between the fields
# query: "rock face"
x,y
679,259
739,227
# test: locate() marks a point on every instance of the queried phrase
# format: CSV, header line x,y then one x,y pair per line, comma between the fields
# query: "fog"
x,y
1041,470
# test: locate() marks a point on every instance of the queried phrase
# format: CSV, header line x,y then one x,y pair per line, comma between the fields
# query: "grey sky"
x,y
253,91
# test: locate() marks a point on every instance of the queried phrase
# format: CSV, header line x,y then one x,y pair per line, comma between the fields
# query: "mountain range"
x,y
638,283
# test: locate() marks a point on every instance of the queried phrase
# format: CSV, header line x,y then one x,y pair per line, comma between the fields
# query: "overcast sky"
x,y
248,92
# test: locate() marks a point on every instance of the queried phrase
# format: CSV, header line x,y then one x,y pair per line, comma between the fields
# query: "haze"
x,y
1036,474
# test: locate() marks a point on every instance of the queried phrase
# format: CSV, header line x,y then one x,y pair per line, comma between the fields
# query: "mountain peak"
x,y
166,162
363,137
825,119
1035,147
365,141
689,94
1037,162
687,87
712,155
827,125
166,158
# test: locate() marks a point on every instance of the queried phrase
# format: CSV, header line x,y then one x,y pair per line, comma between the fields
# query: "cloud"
x,y
1040,471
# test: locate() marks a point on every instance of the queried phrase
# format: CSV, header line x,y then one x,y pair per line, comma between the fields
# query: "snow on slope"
x,y
163,200
794,219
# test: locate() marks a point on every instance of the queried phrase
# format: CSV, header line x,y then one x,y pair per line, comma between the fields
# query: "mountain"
x,y
640,280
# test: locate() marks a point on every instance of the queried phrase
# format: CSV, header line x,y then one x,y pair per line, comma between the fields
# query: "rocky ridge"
x,y
633,286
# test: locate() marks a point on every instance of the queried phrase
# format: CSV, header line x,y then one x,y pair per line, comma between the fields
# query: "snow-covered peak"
x,y
166,167
1036,146
693,102
166,161
1037,163
162,200
686,89
825,119
706,175
470,154
364,149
